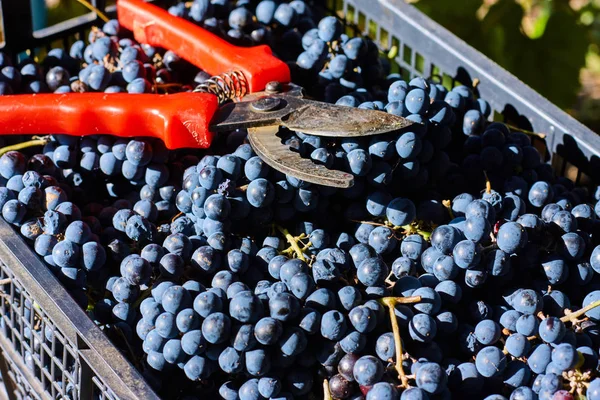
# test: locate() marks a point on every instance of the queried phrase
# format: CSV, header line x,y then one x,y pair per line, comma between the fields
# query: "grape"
x,y
367,370
78,232
511,237
372,272
31,229
230,361
135,270
269,387
265,11
525,301
444,268
431,301
216,328
422,328
487,332
565,356
217,207
539,358
245,307
431,378
444,238
490,361
255,168
65,253
124,292
257,362
93,256
197,368
551,330
466,254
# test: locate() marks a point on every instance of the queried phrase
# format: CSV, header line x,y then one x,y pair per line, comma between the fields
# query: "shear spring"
x,y
227,86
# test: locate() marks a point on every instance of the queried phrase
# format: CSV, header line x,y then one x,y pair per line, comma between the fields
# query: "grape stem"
x,y
305,247
388,280
92,8
529,133
410,229
571,317
326,391
368,222
448,205
488,184
176,216
406,229
391,302
292,241
24,145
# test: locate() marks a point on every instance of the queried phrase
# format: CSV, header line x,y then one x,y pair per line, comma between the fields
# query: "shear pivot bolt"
x,y
266,104
273,87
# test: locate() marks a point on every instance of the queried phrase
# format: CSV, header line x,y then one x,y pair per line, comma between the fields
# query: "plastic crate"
x,y
51,349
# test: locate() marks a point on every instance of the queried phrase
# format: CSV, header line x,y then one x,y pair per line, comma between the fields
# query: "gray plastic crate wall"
x,y
42,362
41,358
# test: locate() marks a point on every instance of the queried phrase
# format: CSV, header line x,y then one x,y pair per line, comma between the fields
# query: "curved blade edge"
x,y
279,156
324,119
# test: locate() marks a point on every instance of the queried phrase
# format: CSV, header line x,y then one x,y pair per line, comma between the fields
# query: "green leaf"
x,y
549,64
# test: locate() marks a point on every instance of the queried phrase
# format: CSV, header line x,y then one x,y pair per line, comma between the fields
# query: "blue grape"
x,y
216,328
372,272
487,332
66,253
197,368
422,328
444,238
490,361
539,358
431,378
511,237
367,370
552,330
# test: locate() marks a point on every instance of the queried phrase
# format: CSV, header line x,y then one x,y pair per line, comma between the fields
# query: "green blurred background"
x,y
552,45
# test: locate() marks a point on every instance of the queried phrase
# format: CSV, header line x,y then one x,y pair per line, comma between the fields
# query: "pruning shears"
x,y
257,81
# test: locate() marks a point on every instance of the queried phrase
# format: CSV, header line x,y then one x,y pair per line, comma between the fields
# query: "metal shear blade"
x,y
279,156
306,116
263,115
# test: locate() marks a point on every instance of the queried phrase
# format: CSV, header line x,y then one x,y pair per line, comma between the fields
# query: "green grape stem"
x,y
24,145
390,303
326,391
292,241
574,315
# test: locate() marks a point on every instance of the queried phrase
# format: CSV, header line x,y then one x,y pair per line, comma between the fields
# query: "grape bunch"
x,y
457,266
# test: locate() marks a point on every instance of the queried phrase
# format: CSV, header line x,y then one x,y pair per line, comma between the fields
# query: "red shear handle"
x,y
153,25
180,120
